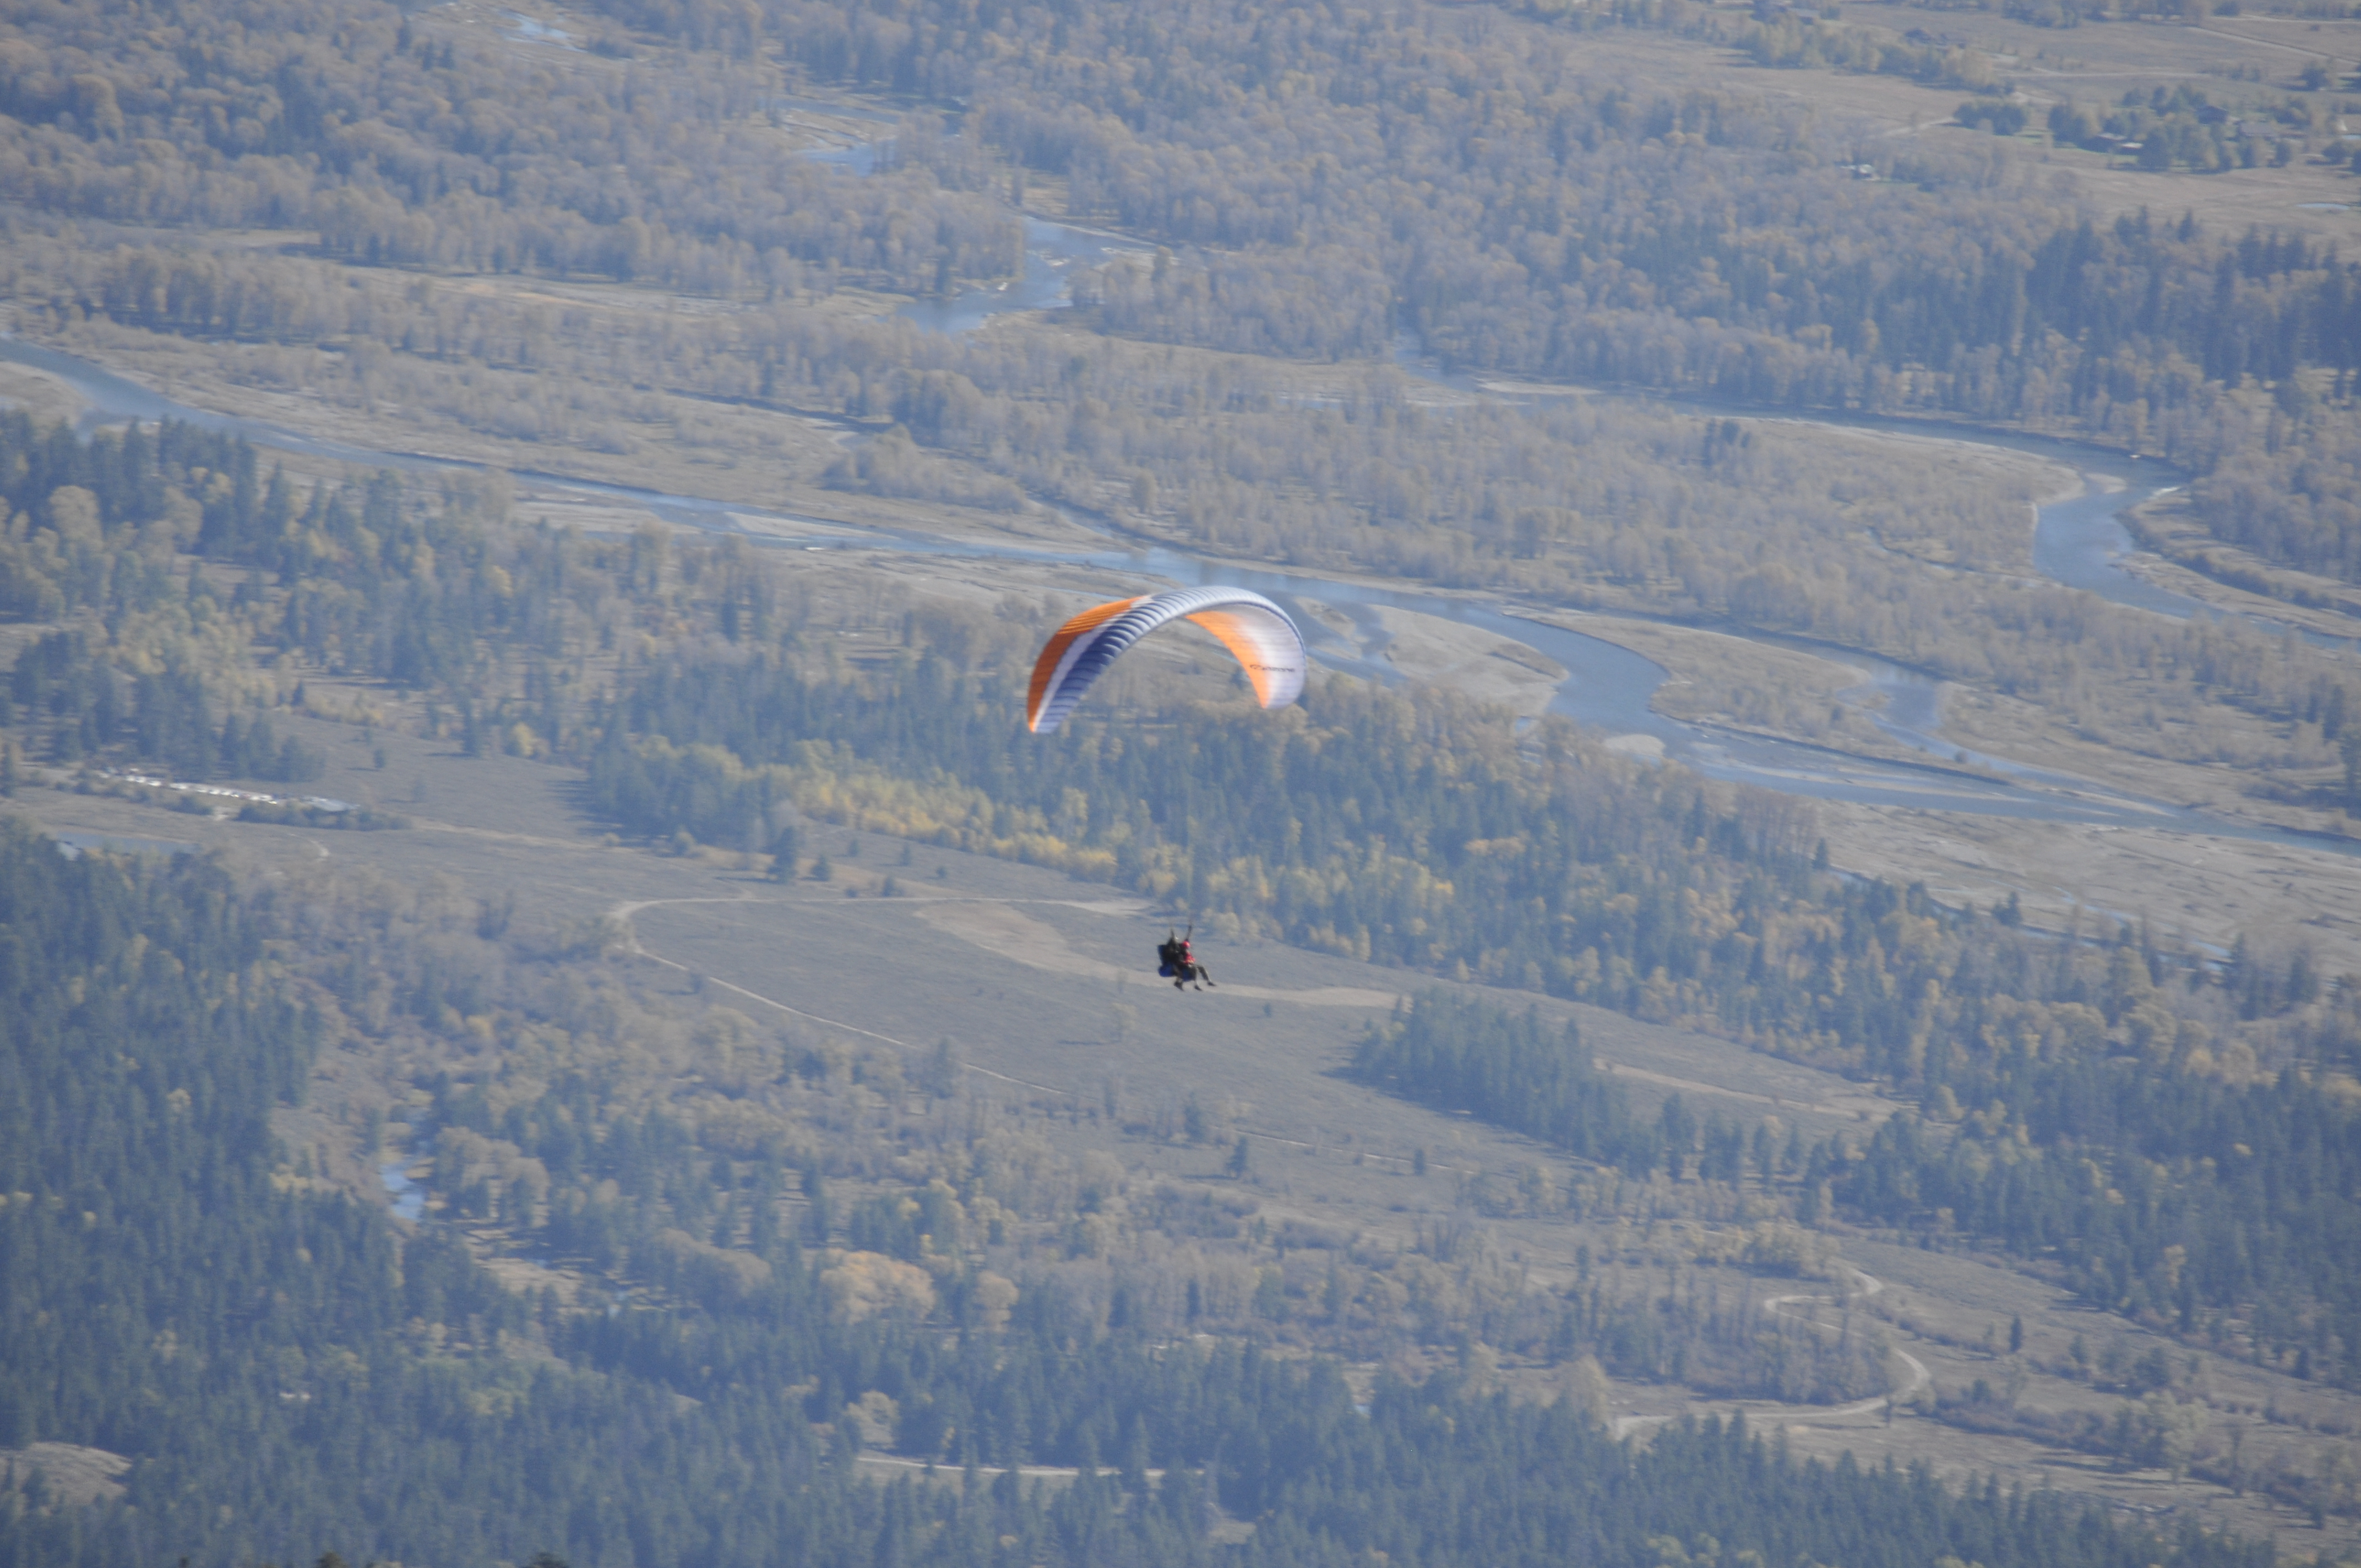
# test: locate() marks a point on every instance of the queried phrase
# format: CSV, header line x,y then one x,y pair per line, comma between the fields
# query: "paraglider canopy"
x,y
1256,631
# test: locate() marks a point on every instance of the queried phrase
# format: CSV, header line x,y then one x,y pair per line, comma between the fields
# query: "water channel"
x,y
2078,541
403,1193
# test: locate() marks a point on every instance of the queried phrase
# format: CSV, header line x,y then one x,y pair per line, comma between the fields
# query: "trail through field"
x,y
989,1472
1870,1286
1001,928
991,924
1695,1086
1916,1377
621,914
1006,933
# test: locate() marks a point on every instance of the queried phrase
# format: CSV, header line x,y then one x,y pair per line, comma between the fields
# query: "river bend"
x,y
2078,542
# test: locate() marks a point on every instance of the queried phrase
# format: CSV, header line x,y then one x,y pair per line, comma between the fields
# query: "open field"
x,y
2208,889
2239,60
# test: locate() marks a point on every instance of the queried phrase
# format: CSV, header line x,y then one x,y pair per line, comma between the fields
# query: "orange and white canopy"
x,y
1256,631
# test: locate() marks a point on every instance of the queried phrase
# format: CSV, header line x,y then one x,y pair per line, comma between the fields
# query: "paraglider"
x,y
1175,962
1256,631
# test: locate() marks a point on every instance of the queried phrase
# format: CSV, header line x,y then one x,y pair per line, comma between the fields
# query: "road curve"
x,y
1917,1377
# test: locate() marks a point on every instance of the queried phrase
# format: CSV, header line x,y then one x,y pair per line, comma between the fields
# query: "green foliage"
x,y
786,849
2001,116
1526,217
72,684
299,814
1794,44
471,157
373,577
289,1368
2169,1196
94,523
1721,1343
1459,1055
2173,1198
2166,129
893,464
139,1071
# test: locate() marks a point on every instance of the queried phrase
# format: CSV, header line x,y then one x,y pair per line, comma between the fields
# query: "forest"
x,y
235,1330
1687,901
1412,829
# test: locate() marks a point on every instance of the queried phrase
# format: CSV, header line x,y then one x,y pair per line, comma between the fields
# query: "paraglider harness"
x,y
1176,963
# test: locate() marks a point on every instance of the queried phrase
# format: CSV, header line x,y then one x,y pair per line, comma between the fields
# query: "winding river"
x,y
2078,542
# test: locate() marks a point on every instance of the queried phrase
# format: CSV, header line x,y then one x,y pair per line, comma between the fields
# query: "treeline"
x,y
710,1199
2010,310
1404,830
91,524
2298,502
1585,505
1457,1055
690,1153
2224,1213
66,683
2174,127
1792,41
96,532
271,1352
2227,1212
174,554
140,1069
1724,1345
401,176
